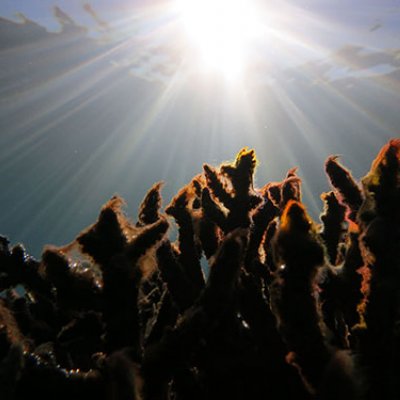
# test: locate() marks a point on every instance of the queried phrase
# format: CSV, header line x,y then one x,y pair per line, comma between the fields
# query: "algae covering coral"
x,y
253,300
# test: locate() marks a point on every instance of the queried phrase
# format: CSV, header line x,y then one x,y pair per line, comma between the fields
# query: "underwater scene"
x,y
200,199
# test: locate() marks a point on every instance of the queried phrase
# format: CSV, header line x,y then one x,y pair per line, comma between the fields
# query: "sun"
x,y
221,32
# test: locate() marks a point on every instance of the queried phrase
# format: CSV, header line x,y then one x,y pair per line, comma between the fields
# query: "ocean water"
x,y
107,98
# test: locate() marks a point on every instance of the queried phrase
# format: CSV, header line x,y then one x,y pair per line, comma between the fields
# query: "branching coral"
x,y
379,220
253,300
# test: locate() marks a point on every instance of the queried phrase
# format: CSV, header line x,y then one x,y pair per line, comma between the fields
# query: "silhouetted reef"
x,y
288,309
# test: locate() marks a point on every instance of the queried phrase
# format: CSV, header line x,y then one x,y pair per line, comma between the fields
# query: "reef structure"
x,y
288,309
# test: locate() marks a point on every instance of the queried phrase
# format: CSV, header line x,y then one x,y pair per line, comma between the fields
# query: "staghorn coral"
x,y
379,220
288,308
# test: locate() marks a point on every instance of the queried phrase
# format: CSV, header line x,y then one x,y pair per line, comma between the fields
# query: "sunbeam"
x,y
103,97
221,32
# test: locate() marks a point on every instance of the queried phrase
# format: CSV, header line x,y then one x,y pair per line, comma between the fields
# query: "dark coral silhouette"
x,y
254,300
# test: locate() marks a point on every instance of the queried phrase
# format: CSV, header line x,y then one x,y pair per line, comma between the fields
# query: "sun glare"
x,y
220,31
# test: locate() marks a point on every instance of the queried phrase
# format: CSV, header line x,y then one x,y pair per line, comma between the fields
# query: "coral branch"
x,y
151,204
345,184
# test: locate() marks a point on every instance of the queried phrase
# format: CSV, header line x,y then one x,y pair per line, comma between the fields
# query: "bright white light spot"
x,y
221,31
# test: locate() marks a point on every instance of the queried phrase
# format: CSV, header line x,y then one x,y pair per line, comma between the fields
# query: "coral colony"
x,y
290,309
